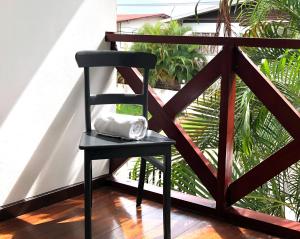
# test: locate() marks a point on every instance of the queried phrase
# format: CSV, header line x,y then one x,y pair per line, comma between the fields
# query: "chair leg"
x,y
87,197
91,174
141,182
167,196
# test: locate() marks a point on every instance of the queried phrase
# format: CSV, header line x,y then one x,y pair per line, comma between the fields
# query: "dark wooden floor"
x,y
115,216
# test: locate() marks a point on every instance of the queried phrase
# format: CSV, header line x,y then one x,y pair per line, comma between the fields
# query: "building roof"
x,y
128,17
203,11
188,14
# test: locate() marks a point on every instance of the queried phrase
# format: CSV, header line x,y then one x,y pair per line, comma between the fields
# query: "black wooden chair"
x,y
97,147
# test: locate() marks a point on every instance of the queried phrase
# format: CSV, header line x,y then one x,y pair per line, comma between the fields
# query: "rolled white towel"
x,y
124,126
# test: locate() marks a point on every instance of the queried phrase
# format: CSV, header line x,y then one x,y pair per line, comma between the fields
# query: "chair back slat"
x,y
116,99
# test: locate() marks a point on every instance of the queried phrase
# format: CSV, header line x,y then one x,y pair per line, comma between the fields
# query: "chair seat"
x,y
92,139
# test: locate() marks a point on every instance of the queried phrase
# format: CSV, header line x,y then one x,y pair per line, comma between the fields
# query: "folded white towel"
x,y
124,126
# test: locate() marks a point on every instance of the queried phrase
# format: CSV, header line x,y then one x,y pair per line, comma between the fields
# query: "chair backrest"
x,y
87,59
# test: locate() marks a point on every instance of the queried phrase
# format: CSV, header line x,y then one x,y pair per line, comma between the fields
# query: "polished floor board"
x,y
115,216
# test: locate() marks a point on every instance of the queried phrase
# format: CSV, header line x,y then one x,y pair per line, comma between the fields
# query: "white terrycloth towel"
x,y
124,126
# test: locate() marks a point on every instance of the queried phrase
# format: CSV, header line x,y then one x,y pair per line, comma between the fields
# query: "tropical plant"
x,y
224,15
176,64
283,12
270,19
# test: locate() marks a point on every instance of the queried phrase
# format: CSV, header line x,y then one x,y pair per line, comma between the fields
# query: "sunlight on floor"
x,y
6,236
37,219
73,219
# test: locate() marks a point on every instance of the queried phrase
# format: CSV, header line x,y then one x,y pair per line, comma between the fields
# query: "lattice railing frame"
x,y
227,64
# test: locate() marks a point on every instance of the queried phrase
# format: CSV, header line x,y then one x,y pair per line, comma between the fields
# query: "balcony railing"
x,y
227,64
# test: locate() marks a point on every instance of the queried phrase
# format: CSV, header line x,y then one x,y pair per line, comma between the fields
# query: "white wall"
x,y
41,88
211,28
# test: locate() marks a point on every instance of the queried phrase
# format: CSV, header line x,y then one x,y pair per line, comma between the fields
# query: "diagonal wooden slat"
x,y
195,87
263,172
184,144
192,90
226,128
268,94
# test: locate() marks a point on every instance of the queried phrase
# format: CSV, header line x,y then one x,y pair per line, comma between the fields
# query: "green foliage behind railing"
x,y
176,63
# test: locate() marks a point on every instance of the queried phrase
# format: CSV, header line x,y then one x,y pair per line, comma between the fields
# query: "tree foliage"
x,y
176,63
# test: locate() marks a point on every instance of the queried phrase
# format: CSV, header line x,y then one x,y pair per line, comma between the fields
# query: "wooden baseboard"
x,y
33,203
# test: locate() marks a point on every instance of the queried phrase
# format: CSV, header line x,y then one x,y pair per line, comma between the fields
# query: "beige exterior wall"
x,y
41,88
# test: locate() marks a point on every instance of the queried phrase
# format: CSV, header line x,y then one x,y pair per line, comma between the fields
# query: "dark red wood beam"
x,y
262,222
193,156
264,171
226,128
268,94
184,144
238,216
192,90
198,40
